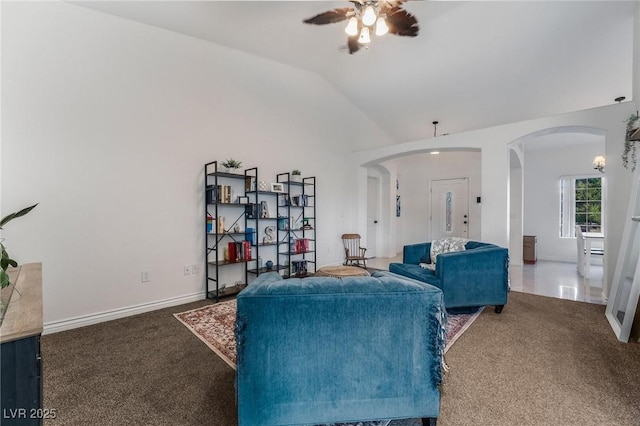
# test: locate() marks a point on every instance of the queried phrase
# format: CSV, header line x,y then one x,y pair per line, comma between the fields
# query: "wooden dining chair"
x,y
354,253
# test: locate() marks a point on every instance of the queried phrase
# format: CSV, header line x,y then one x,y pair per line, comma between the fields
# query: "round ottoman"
x,y
341,271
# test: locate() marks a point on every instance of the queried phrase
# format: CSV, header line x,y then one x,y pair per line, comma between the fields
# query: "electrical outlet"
x,y
187,269
145,276
194,269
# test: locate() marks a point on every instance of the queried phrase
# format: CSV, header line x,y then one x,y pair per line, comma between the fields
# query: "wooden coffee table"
x,y
341,271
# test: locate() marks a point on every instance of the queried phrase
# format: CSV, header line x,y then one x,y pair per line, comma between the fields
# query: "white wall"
x,y
543,169
416,172
494,145
107,124
516,206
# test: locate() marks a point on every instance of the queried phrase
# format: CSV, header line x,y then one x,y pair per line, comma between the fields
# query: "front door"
x,y
450,208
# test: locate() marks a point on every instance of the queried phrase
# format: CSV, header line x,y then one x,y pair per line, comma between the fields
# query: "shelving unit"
x,y
297,226
222,190
260,194
277,226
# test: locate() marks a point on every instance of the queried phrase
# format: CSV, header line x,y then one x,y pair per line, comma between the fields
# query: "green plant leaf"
x,y
17,214
5,262
4,279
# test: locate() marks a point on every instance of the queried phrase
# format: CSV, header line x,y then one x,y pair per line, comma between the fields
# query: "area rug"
x,y
214,325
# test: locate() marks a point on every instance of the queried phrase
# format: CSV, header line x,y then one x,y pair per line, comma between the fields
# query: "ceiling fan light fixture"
x,y
352,26
366,18
365,38
369,16
381,27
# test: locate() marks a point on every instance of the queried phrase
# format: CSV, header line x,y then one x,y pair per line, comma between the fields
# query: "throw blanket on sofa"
x,y
444,245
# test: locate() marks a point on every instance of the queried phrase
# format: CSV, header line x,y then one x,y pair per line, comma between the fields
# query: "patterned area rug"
x,y
214,324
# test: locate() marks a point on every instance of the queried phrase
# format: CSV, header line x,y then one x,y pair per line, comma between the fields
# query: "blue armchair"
x,y
477,276
323,350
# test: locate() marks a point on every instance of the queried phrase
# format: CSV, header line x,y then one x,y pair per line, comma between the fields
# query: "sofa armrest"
x,y
483,271
415,253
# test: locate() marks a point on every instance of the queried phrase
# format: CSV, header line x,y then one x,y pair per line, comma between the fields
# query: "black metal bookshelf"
x,y
263,226
296,239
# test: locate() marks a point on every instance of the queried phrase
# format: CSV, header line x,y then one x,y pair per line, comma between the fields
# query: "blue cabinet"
x,y
21,382
20,358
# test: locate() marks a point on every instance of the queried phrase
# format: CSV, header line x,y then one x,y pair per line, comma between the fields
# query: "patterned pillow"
x,y
444,245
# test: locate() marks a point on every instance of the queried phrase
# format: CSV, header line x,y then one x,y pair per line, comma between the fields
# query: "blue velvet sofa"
x,y
477,276
321,350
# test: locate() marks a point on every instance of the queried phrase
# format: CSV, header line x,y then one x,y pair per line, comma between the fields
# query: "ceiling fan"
x,y
367,16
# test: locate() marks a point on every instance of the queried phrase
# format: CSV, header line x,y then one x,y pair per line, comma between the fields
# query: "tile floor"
x,y
554,279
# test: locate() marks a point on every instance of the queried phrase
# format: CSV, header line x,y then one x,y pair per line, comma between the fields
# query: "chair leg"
x,y
431,421
499,309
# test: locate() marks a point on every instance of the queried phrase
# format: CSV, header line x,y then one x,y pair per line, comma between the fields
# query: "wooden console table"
x,y
20,359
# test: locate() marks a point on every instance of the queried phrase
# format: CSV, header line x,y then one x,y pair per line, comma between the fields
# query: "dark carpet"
x,y
543,361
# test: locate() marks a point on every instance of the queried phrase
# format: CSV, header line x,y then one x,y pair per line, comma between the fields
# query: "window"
x,y
581,204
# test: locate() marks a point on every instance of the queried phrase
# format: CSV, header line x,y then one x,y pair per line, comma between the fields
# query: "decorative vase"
x,y
296,178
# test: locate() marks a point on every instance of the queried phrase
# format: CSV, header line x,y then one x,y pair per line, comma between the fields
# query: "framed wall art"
x,y
277,187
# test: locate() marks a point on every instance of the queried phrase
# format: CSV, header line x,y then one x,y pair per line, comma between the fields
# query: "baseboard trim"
x,y
556,259
595,260
84,320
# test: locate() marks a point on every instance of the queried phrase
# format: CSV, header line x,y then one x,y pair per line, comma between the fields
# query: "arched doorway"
x,y
547,166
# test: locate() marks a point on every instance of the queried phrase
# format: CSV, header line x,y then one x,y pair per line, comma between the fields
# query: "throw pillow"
x,y
444,245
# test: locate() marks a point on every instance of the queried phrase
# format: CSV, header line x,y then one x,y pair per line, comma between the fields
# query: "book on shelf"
x,y
219,194
251,211
302,245
239,251
298,267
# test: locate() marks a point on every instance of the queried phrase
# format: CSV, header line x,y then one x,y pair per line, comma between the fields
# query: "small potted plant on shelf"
x,y
296,176
231,165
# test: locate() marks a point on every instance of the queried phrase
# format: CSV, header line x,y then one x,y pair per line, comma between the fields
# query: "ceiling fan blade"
x,y
401,22
329,17
352,44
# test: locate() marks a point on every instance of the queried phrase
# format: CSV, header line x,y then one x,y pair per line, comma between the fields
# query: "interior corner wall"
x,y
543,169
107,123
515,215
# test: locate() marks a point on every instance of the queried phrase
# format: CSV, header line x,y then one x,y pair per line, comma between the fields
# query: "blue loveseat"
x,y
477,276
323,350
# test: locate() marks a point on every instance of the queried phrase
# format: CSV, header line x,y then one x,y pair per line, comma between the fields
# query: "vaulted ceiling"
x,y
474,64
